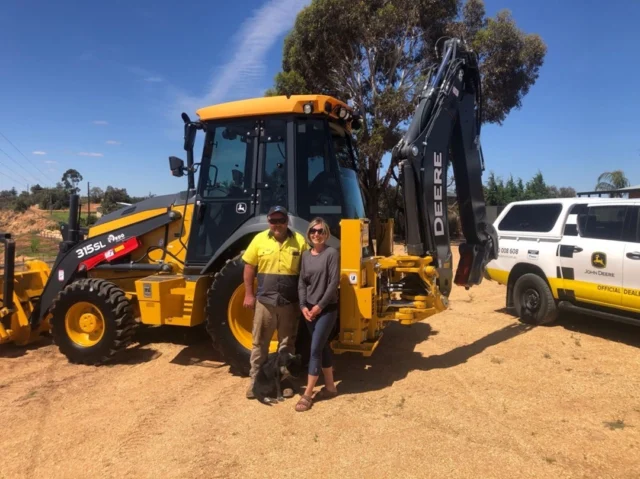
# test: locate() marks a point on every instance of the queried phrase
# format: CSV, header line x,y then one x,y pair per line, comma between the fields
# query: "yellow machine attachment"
x,y
375,290
18,292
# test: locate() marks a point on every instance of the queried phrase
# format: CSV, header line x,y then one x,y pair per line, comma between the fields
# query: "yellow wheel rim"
x,y
240,321
85,324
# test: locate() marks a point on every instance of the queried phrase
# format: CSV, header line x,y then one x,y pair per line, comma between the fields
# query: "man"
x,y
275,256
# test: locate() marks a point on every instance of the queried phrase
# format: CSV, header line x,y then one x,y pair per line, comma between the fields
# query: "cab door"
x,y
226,187
631,268
592,263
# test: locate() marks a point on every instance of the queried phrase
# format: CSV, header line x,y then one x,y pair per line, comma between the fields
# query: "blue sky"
x,y
99,87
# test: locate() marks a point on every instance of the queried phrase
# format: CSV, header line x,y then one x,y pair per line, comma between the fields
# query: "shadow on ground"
x,y
198,348
395,357
12,351
610,330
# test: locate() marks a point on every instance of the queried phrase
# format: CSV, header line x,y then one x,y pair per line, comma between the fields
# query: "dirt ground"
x,y
469,393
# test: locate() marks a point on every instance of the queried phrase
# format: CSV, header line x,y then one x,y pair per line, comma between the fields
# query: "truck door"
x,y
631,261
591,263
225,188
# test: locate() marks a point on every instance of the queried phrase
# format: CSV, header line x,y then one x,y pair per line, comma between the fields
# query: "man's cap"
x,y
278,209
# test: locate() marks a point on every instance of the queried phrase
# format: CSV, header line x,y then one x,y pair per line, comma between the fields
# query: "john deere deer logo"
x,y
599,260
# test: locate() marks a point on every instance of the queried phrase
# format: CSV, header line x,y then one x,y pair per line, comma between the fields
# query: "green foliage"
x,y
612,180
497,193
96,194
70,180
88,221
35,245
375,53
112,196
20,205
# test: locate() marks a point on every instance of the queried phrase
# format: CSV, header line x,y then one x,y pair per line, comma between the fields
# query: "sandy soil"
x,y
32,220
469,393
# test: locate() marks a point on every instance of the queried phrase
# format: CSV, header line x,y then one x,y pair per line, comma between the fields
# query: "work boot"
x,y
287,393
287,389
250,394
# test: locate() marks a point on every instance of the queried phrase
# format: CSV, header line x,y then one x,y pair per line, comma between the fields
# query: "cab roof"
x,y
273,105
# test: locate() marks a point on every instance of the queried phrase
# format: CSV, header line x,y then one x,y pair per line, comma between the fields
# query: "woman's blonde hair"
x,y
321,222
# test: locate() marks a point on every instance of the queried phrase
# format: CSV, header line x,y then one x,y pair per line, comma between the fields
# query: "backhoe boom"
x,y
446,125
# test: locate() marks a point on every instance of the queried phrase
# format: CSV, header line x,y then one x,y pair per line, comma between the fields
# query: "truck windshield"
x,y
347,163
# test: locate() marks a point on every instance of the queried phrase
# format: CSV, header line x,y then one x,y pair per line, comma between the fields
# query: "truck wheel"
x,y
91,321
533,300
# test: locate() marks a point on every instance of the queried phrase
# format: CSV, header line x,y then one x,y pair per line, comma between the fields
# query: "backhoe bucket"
x,y
19,290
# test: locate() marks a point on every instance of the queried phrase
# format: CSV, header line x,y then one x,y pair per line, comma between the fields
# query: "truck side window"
x,y
570,228
603,222
631,231
531,218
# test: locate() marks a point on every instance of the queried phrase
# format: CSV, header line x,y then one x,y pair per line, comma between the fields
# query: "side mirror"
x,y
177,166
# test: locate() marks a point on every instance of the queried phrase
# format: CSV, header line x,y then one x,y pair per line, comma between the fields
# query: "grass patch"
x,y
59,216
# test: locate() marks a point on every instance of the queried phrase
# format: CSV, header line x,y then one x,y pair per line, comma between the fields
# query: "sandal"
x,y
304,404
324,393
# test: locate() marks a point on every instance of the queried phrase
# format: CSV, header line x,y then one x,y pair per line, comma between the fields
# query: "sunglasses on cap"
x,y
316,230
277,221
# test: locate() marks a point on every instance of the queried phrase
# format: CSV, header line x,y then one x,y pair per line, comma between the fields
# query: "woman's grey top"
x,y
319,278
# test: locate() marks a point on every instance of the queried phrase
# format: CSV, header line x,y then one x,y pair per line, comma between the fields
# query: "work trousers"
x,y
266,320
320,329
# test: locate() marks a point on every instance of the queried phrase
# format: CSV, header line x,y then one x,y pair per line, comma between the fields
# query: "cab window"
x,y
231,150
318,187
274,169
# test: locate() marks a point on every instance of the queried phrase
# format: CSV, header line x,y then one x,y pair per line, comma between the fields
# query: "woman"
x,y
318,294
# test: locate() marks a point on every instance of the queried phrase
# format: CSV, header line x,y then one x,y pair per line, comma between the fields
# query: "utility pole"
x,y
88,203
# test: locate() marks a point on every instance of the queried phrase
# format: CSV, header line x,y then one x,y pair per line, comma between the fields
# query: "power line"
x,y
23,155
17,163
13,171
3,174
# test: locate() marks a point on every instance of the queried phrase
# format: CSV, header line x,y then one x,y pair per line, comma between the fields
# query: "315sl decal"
x,y
90,248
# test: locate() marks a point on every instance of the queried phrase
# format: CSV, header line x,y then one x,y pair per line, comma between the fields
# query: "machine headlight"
x,y
308,108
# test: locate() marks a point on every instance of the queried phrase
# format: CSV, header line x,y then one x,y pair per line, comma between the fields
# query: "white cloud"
x,y
238,77
154,79
50,162
100,122
113,142
39,152
84,153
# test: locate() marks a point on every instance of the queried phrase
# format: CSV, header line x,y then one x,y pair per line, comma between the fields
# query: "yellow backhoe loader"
x,y
175,259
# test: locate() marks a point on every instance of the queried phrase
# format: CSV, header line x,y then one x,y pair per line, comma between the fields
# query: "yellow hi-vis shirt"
x,y
278,266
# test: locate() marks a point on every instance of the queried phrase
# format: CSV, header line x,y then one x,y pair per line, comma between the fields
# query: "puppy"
x,y
277,367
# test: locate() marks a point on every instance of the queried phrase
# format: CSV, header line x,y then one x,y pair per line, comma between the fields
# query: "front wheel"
x,y
533,300
92,321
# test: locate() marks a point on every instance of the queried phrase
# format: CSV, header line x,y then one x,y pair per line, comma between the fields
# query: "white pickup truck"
x,y
578,254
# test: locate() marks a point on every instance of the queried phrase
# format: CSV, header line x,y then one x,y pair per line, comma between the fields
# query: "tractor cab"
x,y
296,152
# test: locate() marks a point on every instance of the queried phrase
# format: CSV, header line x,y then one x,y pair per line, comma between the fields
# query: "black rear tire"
x,y
117,318
218,323
224,285
533,300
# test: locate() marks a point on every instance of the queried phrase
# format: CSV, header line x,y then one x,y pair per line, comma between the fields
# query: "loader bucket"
x,y
19,292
